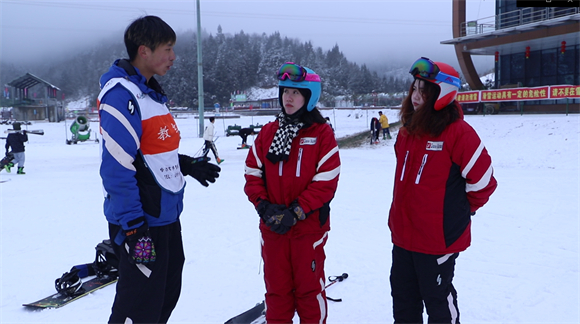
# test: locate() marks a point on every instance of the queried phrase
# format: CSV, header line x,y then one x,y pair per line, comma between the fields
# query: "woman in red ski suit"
x,y
291,176
443,175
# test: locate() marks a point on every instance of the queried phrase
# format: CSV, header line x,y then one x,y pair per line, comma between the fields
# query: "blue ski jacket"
x,y
140,164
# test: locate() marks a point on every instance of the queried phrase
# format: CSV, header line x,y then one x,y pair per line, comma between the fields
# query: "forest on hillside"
x,y
231,63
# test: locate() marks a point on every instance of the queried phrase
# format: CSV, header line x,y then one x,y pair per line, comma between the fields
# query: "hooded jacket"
x,y
16,141
140,164
439,183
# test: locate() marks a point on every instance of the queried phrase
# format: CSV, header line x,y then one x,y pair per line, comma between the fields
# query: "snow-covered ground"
x,y
522,266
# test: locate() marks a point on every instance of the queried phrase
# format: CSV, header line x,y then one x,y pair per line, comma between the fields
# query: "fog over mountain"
x,y
377,32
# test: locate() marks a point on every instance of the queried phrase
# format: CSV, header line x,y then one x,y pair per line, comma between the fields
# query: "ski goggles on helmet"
x,y
295,73
428,70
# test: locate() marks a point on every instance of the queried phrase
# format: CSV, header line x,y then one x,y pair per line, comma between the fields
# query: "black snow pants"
x,y
418,278
148,294
209,145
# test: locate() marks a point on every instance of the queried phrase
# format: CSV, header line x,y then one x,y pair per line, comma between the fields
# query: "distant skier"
x,y
329,123
384,125
375,130
209,144
244,132
15,140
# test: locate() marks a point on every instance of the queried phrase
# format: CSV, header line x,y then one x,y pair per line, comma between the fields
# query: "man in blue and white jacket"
x,y
143,175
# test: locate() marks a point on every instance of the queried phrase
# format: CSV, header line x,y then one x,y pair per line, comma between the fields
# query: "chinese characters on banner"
x,y
468,97
560,92
520,94
517,94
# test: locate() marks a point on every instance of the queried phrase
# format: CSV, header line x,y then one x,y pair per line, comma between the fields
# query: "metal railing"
x,y
514,18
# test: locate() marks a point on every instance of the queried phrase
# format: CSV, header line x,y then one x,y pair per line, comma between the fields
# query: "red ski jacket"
x,y
310,175
439,183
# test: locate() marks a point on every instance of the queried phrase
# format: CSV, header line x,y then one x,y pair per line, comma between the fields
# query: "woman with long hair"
x,y
443,176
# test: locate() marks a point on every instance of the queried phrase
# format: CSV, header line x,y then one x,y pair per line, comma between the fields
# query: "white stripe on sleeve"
x,y
327,176
123,120
326,157
482,183
472,161
117,151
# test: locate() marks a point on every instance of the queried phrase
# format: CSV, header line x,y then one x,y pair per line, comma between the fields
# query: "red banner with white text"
x,y
521,94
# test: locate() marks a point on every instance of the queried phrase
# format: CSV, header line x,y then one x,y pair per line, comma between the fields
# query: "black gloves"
x,y
297,211
279,218
269,213
199,169
139,245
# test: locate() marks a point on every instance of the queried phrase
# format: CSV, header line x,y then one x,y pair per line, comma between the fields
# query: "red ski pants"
x,y
294,277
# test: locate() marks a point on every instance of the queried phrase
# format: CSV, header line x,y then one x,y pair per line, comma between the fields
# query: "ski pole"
x,y
333,280
257,315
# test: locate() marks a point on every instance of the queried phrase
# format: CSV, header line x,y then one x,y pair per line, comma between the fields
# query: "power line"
x,y
186,12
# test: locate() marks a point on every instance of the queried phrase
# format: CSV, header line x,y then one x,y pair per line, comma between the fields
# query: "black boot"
x,y
20,170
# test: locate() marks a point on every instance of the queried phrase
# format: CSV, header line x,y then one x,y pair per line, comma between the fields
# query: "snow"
x,y
522,266
256,93
490,77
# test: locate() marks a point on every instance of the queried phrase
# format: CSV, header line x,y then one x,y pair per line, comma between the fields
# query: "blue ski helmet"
x,y
292,75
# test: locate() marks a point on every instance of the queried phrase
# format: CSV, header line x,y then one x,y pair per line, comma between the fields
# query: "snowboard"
x,y
244,148
255,315
5,160
58,300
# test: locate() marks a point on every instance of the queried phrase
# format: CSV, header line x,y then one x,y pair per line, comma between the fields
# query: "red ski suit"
x,y
439,182
294,262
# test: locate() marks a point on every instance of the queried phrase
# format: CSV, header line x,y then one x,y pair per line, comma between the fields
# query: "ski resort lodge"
x,y
536,52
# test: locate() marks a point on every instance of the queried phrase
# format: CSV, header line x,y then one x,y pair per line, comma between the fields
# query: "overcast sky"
x,y
366,31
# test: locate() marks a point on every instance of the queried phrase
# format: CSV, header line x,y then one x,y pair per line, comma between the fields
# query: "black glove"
x,y
139,245
271,213
280,228
199,169
282,221
297,211
266,209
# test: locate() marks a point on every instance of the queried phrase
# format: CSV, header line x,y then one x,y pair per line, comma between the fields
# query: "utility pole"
x,y
200,104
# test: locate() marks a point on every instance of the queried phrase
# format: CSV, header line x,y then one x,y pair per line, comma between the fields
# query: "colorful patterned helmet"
x,y
441,74
292,75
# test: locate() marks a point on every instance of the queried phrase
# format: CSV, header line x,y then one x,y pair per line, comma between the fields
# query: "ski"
x,y
257,314
59,299
33,131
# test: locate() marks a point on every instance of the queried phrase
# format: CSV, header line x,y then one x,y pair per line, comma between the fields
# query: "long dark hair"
x,y
311,117
426,120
